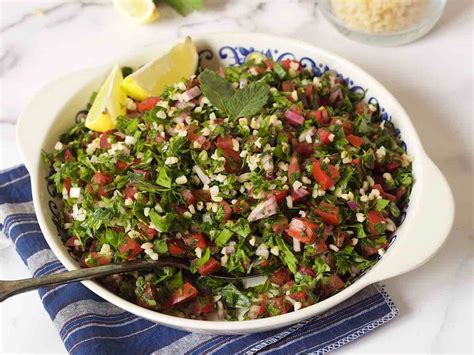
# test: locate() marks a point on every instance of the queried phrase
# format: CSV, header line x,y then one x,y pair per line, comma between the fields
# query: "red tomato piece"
x,y
130,246
203,304
329,213
356,141
393,165
305,149
176,247
103,142
148,104
68,155
293,168
130,192
149,232
101,178
325,175
373,219
282,306
67,184
280,225
324,135
309,91
197,240
287,86
232,162
212,265
188,197
202,195
281,277
286,63
227,210
279,195
71,241
180,295
306,270
303,230
385,194
321,116
121,165
225,143
320,247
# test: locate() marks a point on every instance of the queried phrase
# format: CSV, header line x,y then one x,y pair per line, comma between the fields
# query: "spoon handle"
x,y
13,287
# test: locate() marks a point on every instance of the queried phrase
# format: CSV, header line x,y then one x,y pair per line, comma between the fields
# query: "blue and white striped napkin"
x,y
89,325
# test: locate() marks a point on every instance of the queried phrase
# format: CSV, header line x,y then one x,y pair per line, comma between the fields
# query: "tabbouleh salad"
x,y
261,169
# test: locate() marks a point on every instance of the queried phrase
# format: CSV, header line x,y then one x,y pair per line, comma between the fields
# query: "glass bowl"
x,y
431,12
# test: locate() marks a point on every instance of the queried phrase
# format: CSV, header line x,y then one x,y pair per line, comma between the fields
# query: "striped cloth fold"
x,y
89,325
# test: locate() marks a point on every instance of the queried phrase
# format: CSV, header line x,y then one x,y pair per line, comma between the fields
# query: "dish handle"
x,y
431,220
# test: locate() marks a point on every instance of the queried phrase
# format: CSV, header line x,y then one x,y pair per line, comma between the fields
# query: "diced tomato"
x,y
306,270
188,197
102,191
232,162
286,63
305,149
130,192
373,219
393,165
94,258
268,63
329,213
180,295
324,135
281,305
101,178
197,240
180,208
145,173
67,184
227,210
212,265
303,230
293,168
355,161
148,104
345,123
281,277
121,165
279,195
361,108
299,195
103,142
321,116
299,296
202,195
287,86
309,91
225,142
320,247
149,232
326,176
280,225
203,304
356,141
368,250
340,238
68,155
336,282
71,241
131,246
176,247
384,194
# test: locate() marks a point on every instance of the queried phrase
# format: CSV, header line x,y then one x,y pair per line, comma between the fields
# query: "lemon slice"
x,y
109,103
141,11
150,80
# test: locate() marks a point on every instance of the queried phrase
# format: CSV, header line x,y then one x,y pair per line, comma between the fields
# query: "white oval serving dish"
x,y
429,215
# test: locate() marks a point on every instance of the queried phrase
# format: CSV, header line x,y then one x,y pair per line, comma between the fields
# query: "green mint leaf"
x,y
162,224
216,89
249,100
204,258
241,227
184,7
381,204
223,237
163,178
286,256
232,297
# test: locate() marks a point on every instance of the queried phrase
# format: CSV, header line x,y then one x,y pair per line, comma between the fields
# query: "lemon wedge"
x,y
109,103
150,80
141,11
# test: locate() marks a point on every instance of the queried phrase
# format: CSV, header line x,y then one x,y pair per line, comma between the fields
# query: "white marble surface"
x,y
432,78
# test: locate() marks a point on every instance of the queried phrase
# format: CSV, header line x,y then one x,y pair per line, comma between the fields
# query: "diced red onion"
x,y
309,132
190,94
335,96
264,209
181,105
293,118
352,205
267,163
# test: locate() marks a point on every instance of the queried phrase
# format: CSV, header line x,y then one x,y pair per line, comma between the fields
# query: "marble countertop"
x,y
432,78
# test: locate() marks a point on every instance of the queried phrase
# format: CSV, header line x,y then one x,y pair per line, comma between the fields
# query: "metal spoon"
x,y
10,288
